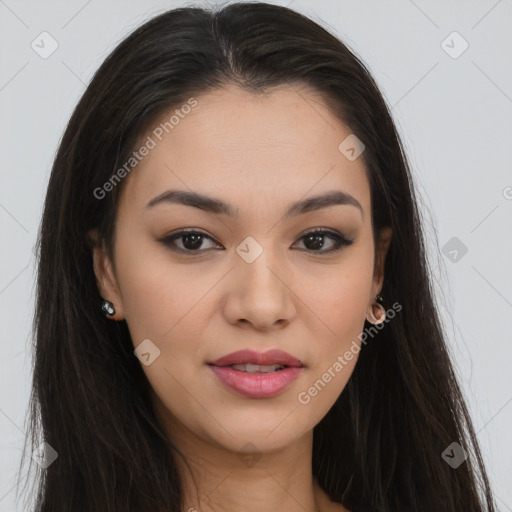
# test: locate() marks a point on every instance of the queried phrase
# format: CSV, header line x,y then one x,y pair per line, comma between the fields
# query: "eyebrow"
x,y
217,206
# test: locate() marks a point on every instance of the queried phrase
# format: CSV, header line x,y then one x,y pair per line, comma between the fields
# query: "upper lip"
x,y
260,358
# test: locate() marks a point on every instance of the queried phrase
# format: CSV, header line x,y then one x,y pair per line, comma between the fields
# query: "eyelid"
x,y
340,240
175,235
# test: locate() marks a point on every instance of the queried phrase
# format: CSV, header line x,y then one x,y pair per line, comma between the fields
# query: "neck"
x,y
217,479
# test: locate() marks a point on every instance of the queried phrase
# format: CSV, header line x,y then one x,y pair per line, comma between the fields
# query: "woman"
x,y
233,305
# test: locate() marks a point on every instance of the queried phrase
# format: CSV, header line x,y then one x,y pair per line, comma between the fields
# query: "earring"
x,y
108,308
377,312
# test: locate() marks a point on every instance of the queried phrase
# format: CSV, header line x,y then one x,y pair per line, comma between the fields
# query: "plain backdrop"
x,y
451,97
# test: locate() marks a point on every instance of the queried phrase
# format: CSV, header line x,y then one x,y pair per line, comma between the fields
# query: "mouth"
x,y
257,368
257,375
267,361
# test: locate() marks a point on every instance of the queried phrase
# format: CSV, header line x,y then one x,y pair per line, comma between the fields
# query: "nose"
x,y
259,295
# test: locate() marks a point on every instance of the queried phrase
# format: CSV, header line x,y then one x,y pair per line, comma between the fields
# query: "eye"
x,y
315,239
192,240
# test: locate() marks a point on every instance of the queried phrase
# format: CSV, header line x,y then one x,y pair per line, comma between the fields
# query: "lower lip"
x,y
256,385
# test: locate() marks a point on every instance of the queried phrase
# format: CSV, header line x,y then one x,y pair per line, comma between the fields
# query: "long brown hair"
x,y
379,447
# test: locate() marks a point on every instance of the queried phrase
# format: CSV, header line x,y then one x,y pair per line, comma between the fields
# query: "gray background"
x,y
454,115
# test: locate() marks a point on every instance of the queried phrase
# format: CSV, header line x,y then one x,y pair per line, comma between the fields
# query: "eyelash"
x,y
338,238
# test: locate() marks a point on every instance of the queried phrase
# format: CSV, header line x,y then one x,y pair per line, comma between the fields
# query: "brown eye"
x,y
191,241
315,241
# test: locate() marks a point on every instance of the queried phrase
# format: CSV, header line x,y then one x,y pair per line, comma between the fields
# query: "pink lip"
x,y
261,358
257,385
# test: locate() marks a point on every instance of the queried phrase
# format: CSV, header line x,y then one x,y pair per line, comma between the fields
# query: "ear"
x,y
105,276
385,236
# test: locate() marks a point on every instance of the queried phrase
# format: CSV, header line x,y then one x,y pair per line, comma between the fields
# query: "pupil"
x,y
317,241
194,245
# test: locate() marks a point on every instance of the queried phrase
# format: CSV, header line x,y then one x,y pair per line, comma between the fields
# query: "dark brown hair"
x,y
379,447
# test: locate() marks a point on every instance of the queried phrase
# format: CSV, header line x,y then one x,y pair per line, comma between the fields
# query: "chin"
x,y
268,426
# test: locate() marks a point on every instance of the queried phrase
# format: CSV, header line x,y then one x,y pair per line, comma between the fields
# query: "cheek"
x,y
315,399
158,296
341,302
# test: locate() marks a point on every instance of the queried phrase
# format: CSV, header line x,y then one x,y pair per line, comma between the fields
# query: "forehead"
x,y
282,145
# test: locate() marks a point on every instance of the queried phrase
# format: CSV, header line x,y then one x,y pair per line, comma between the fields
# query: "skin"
x,y
259,154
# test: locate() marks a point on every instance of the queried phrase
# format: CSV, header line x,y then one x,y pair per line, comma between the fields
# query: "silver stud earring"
x,y
377,313
108,308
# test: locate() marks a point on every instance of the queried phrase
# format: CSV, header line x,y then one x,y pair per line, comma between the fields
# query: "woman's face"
x,y
247,279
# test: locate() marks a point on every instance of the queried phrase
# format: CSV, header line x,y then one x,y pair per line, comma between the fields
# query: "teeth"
x,y
256,368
